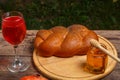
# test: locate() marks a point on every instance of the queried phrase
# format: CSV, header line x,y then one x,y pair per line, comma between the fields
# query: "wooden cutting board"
x,y
72,68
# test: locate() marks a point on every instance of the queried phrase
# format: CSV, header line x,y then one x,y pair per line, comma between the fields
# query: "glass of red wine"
x,y
14,31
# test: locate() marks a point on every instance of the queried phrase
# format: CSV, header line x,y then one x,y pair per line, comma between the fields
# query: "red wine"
x,y
14,29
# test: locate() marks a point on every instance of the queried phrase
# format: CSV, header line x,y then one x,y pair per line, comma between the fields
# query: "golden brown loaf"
x,y
64,42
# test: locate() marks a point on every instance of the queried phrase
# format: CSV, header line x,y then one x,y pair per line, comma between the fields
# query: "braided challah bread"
x,y
64,42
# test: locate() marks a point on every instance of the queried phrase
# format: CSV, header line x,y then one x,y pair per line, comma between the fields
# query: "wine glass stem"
x,y
15,51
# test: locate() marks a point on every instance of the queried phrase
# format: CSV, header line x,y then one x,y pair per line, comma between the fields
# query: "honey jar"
x,y
96,61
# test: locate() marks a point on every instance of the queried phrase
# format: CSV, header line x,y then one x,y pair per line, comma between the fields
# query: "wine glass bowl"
x,y
14,31
13,28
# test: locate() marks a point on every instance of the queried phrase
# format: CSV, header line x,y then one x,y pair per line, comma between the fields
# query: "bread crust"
x,y
64,42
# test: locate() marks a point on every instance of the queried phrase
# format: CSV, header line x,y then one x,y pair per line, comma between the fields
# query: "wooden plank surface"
x,y
26,50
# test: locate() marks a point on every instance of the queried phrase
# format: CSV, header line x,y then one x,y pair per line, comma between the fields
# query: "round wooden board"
x,y
72,68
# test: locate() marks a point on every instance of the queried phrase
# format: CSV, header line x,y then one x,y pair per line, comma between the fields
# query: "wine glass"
x,y
14,31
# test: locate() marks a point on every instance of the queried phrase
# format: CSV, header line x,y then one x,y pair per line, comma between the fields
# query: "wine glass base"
x,y
18,66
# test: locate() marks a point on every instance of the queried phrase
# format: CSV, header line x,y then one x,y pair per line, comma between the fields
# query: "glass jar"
x,y
96,60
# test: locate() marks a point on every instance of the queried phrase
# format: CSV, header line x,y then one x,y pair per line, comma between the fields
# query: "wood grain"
x,y
72,68
6,54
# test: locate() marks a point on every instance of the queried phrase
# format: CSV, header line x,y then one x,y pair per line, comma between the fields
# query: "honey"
x,y
96,61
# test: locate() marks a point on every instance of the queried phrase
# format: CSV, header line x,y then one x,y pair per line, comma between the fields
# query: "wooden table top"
x,y
7,54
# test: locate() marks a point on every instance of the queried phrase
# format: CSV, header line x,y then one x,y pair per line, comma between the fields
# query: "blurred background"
x,y
39,14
